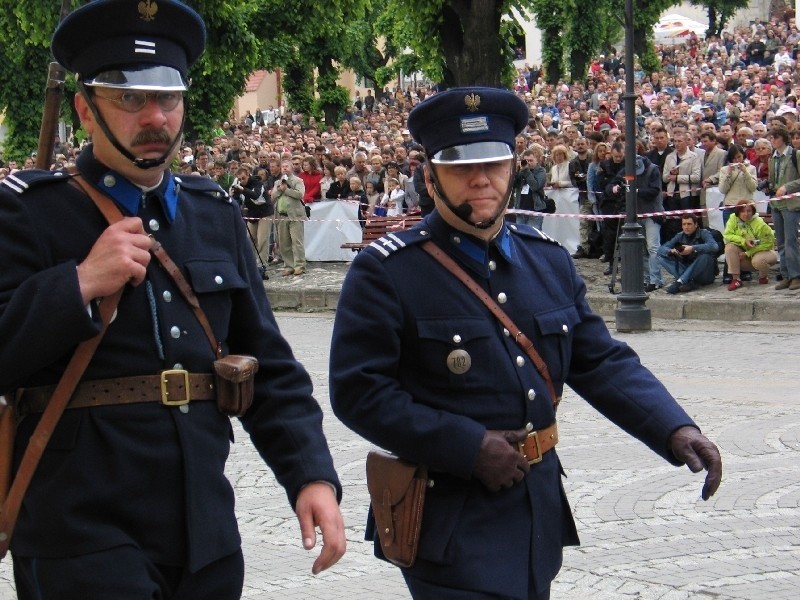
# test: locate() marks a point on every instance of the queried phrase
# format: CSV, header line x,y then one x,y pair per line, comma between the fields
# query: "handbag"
x,y
397,493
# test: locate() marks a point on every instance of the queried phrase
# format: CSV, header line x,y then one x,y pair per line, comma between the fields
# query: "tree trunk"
x,y
470,43
327,75
712,22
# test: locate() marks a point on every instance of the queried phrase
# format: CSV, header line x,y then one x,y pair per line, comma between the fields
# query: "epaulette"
x,y
530,232
23,180
202,185
397,240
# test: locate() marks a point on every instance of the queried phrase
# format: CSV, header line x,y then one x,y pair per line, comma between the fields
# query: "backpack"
x,y
717,235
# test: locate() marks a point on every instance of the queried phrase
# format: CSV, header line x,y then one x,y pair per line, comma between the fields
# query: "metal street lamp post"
x,y
632,314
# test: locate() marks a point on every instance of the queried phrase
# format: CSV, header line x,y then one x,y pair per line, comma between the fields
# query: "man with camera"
x,y
690,256
578,168
785,179
529,183
287,195
252,195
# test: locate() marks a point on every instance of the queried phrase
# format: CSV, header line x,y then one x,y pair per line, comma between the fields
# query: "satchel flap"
x,y
388,473
236,367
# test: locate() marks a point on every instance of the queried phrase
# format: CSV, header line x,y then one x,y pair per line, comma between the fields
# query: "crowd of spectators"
x,y
720,115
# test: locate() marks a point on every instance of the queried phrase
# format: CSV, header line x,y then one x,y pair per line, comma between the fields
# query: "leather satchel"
x,y
397,492
233,379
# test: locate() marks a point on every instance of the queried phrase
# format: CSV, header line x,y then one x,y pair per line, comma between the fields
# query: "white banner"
x,y
564,229
333,222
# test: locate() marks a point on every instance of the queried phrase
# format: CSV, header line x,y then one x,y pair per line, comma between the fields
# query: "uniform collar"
x,y
473,252
125,194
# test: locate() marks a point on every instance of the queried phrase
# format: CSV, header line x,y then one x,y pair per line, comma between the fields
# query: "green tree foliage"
x,y
719,13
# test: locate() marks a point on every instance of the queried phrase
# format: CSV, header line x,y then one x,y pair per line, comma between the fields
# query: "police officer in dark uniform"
x,y
130,500
420,367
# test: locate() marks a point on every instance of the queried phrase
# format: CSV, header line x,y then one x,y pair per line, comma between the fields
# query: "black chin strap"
x,y
464,211
142,163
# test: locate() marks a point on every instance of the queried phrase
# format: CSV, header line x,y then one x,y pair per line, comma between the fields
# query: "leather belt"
x,y
538,443
173,387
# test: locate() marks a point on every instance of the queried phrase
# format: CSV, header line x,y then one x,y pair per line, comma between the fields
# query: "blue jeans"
x,y
652,266
699,272
533,221
786,223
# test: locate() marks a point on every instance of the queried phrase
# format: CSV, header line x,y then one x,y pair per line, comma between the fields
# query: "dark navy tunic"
x,y
399,317
144,474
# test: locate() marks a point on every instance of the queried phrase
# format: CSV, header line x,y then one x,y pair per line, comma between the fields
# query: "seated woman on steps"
x,y
749,244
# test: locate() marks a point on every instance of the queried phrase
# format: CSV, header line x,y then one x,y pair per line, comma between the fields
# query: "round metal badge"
x,y
459,361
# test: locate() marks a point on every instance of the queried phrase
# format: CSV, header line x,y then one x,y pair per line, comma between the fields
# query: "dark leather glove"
x,y
695,449
499,464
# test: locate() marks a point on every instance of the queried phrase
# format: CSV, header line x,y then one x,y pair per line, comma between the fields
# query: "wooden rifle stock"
x,y
54,92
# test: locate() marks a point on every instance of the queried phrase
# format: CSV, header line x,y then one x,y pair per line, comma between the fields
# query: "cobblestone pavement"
x,y
645,532
318,290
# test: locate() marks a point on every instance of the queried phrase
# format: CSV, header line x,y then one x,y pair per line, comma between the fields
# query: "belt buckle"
x,y
534,435
164,376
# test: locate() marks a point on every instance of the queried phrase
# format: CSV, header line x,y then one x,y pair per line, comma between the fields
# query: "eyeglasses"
x,y
133,101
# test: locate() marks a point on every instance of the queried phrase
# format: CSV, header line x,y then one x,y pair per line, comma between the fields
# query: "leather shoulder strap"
x,y
112,214
519,337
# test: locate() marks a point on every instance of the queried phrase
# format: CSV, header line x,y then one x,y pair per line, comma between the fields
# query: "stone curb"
x,y
319,289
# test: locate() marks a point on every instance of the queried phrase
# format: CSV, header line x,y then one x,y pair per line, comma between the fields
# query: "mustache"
x,y
150,136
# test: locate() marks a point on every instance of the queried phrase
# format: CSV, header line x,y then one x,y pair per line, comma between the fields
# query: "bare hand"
x,y
317,507
499,464
781,191
119,256
694,449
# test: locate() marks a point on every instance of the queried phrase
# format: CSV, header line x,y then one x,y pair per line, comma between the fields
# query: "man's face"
x,y
287,168
581,146
617,156
726,132
297,165
681,142
482,186
149,133
688,226
708,143
660,140
360,163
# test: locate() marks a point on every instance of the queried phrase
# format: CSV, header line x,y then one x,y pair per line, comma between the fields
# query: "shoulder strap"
x,y
519,337
51,415
112,215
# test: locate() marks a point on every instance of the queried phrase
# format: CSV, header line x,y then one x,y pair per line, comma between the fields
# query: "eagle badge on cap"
x,y
148,10
473,101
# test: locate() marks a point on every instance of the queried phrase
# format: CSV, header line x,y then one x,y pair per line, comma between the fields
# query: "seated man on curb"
x,y
690,256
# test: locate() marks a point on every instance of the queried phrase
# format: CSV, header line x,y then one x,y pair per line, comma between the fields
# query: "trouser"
x,y
786,223
652,266
700,271
738,260
425,590
610,230
586,225
260,231
125,573
291,242
672,225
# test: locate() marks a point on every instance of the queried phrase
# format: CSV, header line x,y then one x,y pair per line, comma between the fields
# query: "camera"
x,y
679,247
756,242
523,163
285,179
580,176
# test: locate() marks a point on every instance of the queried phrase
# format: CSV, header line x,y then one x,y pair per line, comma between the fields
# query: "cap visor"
x,y
479,152
149,78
